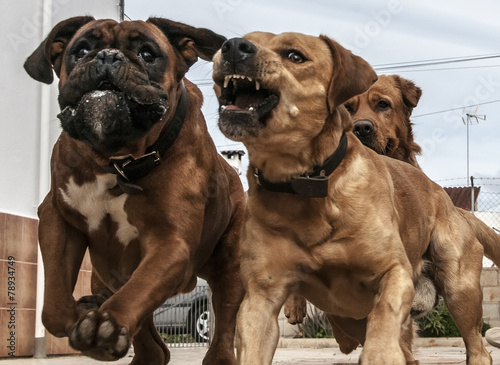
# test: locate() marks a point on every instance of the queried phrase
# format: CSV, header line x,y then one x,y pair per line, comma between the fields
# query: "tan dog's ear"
x,y
411,92
190,41
49,53
352,75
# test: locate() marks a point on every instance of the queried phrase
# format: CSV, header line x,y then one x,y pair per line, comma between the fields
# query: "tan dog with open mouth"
x,y
137,180
328,217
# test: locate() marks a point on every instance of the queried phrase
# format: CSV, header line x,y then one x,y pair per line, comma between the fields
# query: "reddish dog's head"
x,y
382,117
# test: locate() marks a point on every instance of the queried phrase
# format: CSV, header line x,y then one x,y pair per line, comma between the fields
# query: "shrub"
x,y
438,323
315,324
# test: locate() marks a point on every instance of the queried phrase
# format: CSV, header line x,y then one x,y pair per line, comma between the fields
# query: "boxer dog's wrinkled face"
x,y
111,84
117,81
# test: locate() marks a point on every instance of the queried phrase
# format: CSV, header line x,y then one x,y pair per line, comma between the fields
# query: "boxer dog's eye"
x,y
81,53
147,55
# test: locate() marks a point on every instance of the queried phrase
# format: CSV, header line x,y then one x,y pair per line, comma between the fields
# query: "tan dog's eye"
x,y
383,105
295,56
349,108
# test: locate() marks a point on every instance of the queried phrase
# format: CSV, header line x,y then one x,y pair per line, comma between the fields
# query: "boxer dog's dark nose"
x,y
236,50
108,61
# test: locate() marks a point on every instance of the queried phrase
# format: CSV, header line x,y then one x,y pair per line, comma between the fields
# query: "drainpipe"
x,y
43,187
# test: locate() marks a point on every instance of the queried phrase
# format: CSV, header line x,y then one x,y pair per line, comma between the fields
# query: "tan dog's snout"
x,y
237,50
363,128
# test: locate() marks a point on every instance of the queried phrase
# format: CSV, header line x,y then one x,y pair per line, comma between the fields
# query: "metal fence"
x,y
186,320
488,201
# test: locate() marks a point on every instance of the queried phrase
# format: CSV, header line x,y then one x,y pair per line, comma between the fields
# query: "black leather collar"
x,y
129,169
313,185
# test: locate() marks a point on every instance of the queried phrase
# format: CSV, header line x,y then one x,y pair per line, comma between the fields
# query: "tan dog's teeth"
x,y
226,80
251,108
257,85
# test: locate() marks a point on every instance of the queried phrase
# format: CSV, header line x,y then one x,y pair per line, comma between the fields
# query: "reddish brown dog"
x,y
327,217
382,122
136,180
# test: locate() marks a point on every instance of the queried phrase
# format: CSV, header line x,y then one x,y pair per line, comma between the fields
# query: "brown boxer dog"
x,y
137,180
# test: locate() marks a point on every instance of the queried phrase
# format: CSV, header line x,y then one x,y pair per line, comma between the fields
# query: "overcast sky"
x,y
384,32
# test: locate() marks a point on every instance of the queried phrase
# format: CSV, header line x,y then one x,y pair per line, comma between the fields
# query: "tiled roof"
x,y
461,196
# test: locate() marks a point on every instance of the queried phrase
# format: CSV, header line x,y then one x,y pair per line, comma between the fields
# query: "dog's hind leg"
x,y
222,275
348,332
458,258
149,348
406,341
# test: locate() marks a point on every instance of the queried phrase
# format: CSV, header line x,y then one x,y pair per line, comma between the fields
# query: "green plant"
x,y
315,324
438,323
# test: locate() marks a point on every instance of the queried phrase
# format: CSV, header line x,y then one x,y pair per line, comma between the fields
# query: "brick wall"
x,y
490,281
19,241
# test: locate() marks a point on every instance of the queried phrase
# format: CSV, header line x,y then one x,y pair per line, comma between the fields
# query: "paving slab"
x,y
306,353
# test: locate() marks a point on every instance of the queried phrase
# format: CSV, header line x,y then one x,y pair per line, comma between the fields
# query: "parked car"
x,y
186,314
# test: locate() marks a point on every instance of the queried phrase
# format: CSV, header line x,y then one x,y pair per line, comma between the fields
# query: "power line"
x,y
438,61
450,110
449,68
408,64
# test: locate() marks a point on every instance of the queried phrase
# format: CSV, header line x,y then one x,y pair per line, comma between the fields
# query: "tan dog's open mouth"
x,y
244,100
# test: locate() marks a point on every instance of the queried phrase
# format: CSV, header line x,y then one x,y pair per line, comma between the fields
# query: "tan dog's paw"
x,y
295,309
376,355
99,336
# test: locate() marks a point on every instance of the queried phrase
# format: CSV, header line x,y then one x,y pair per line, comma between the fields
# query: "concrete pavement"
x,y
291,352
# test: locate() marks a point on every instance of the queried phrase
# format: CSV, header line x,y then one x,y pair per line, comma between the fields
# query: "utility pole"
x,y
121,6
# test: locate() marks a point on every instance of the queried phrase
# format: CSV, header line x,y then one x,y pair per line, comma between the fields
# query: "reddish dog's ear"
x,y
190,41
49,53
411,92
352,75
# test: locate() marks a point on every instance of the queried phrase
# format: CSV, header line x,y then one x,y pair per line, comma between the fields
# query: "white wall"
x,y
21,26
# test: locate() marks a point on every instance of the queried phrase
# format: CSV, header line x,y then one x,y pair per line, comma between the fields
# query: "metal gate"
x,y
186,320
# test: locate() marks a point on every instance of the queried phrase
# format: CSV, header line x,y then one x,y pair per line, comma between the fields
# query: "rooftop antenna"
x,y
467,118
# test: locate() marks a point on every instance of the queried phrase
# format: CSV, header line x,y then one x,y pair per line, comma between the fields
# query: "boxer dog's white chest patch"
x,y
94,202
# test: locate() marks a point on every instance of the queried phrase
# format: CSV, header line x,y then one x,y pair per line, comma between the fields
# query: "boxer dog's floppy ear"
x,y
48,55
190,41
351,76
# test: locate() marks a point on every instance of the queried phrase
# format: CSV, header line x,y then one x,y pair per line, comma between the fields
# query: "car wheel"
x,y
199,322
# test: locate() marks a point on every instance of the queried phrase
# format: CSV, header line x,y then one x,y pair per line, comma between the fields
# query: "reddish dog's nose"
x,y
237,49
363,128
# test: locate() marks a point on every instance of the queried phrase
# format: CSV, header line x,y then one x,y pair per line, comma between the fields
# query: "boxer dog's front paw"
x,y
98,336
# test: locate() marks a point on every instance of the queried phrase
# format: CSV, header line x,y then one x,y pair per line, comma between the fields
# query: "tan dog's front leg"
x,y
392,308
257,324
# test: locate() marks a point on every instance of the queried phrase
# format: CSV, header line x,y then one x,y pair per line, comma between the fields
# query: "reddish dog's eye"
x,y
383,105
295,57
81,53
349,108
